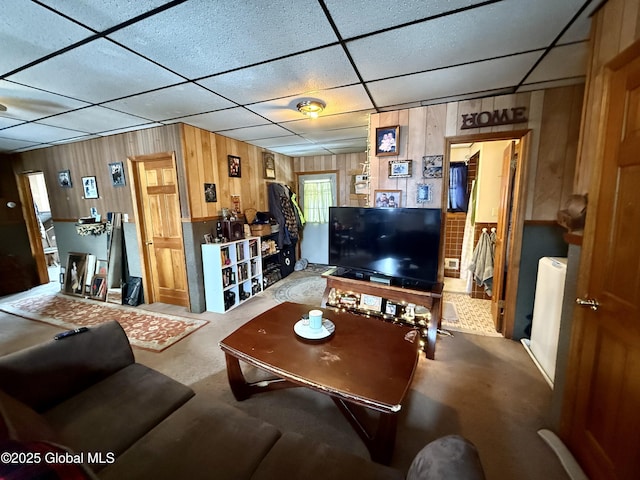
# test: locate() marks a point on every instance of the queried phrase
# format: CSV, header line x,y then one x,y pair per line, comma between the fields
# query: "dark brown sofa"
x,y
82,407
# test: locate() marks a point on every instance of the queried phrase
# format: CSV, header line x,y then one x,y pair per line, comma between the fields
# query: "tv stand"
x,y
345,292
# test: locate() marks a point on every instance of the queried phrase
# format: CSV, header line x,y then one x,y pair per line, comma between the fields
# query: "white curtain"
x,y
317,200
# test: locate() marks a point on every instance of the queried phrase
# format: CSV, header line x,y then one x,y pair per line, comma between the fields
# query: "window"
x,y
317,199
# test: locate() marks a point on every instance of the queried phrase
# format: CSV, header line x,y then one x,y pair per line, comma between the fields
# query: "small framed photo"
x,y
208,238
424,193
234,166
386,138
99,287
116,170
75,274
390,308
370,302
400,168
210,193
269,163
64,179
432,166
101,267
90,187
387,198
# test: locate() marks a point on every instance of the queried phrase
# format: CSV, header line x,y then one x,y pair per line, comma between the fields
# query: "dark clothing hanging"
x,y
458,195
282,209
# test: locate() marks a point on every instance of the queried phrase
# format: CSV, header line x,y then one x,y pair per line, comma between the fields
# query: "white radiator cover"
x,y
547,311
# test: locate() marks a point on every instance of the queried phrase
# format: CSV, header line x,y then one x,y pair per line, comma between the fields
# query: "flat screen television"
x,y
398,244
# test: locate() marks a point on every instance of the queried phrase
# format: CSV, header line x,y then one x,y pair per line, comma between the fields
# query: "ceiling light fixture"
x,y
311,108
3,108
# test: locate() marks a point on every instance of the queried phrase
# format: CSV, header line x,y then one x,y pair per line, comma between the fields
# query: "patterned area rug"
x,y
151,331
308,290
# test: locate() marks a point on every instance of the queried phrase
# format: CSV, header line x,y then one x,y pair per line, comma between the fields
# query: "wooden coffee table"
x,y
367,364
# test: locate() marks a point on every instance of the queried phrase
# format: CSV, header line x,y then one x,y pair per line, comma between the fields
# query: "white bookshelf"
x,y
232,273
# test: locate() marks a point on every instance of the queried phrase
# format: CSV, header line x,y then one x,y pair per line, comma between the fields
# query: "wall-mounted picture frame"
x,y
387,198
210,194
90,187
424,194
400,168
432,166
64,179
386,141
75,274
234,166
116,171
269,164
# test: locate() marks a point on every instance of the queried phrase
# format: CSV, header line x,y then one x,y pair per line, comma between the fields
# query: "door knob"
x,y
592,303
148,243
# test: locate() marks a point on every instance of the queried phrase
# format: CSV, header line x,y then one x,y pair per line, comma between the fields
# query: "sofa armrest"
x,y
447,458
46,374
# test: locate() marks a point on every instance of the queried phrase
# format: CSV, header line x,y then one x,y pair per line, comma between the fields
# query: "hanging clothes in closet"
x,y
282,208
482,263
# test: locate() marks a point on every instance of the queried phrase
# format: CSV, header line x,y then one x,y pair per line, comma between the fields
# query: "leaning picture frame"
x,y
98,287
75,274
387,141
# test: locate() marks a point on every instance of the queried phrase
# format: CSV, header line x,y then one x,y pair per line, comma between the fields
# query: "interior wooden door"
x,y
502,234
156,188
601,418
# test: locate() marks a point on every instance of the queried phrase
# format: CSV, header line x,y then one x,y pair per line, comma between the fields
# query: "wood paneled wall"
x,y
553,116
347,165
205,157
614,27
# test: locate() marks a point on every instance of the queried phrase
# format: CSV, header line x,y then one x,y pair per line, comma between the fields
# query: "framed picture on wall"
x,y
386,141
116,170
432,166
210,193
387,198
234,166
269,163
424,193
90,187
64,179
400,168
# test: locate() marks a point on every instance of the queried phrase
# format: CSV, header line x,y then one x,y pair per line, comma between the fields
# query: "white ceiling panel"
x,y
362,16
96,72
104,13
29,31
144,126
26,103
240,68
421,47
171,102
95,119
36,132
224,119
311,71
502,72
200,37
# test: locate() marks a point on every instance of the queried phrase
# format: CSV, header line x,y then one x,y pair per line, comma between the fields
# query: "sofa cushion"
x,y
111,415
297,457
46,374
19,422
445,458
202,440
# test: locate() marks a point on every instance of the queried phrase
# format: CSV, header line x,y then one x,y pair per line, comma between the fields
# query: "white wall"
x,y
489,180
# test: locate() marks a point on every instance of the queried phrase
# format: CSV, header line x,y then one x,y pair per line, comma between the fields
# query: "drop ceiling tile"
x,y
528,87
11,144
580,30
8,122
36,132
465,79
561,62
171,102
330,122
105,13
223,120
317,70
288,141
44,32
360,144
26,103
94,119
144,126
96,72
337,100
200,38
302,151
331,135
357,17
492,31
255,133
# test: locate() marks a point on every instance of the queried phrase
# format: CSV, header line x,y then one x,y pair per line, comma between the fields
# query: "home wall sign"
x,y
506,116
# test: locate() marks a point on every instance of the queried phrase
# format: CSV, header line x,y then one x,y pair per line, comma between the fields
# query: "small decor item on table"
x,y
315,319
386,141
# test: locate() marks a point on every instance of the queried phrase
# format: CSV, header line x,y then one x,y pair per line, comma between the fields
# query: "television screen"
x,y
401,243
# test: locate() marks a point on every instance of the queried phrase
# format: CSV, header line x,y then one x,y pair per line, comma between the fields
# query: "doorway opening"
x,y
483,225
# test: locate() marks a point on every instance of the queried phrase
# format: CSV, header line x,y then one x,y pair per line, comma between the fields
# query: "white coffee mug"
x,y
315,319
